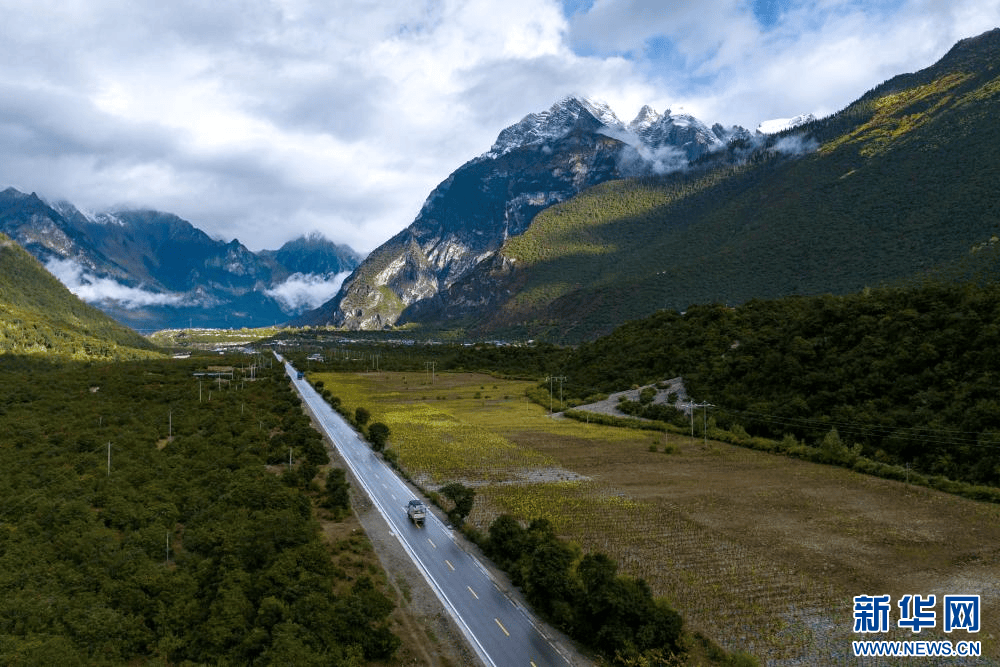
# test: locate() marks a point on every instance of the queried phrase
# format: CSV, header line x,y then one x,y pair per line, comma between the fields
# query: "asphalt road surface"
x,y
501,632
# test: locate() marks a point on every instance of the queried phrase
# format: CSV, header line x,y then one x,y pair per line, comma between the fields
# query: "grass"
x,y
760,552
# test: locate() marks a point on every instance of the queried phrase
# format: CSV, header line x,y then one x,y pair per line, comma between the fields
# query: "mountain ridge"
x,y
545,158
152,270
38,315
878,193
881,192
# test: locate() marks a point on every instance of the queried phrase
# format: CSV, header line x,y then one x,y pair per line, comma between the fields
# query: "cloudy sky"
x,y
264,120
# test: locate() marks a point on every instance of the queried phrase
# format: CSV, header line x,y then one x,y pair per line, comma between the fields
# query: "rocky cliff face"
x,y
544,159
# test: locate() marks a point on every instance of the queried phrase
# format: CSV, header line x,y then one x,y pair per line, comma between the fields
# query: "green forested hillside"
x,y
139,525
38,315
909,376
900,184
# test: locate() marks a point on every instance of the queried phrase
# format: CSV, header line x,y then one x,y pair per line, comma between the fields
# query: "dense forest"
x,y
139,523
908,375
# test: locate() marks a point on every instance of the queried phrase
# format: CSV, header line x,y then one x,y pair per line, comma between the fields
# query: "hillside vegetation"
x,y
38,315
906,376
898,185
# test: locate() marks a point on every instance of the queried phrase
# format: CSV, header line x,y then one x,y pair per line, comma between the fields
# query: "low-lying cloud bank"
x,y
302,292
94,289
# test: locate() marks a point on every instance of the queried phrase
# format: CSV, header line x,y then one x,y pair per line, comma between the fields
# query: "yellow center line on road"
x,y
501,626
432,543
474,594
448,563
533,663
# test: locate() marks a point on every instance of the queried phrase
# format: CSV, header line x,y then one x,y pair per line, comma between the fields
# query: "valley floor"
x,y
762,553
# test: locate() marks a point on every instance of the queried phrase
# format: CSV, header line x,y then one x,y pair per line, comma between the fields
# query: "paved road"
x,y
500,631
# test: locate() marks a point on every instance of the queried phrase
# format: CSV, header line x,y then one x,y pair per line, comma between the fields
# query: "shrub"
x,y
378,435
361,416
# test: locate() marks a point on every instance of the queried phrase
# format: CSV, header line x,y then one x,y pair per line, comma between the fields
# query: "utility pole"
x,y
555,378
692,405
704,431
109,458
430,365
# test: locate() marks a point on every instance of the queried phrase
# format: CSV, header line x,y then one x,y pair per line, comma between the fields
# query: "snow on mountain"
x,y
646,118
555,122
781,124
73,213
664,141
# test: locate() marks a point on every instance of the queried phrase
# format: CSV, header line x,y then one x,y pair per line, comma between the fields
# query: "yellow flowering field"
x,y
434,443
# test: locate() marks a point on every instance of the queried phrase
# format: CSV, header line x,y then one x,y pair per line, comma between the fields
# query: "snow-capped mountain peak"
x,y
681,131
650,133
555,122
781,124
646,117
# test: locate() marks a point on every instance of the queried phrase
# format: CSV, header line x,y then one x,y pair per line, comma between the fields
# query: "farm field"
x,y
761,552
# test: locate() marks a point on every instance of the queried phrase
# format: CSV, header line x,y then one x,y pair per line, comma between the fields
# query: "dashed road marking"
x,y
474,595
432,543
501,626
448,563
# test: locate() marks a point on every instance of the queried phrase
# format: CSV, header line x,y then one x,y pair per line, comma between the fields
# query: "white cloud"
x,y
821,55
263,119
302,292
92,289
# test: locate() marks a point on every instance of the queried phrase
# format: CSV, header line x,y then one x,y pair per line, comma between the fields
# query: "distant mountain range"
x,y
575,222
153,270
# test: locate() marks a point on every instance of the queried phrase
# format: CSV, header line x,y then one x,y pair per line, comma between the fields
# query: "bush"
x,y
361,416
307,471
378,435
462,497
337,496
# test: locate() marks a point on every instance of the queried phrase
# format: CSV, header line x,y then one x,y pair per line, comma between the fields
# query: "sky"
x,y
264,120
